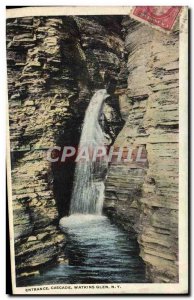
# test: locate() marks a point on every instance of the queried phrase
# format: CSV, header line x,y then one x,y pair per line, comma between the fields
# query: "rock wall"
x,y
144,199
55,64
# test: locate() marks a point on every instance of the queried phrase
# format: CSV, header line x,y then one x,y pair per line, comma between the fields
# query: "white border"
x,y
68,10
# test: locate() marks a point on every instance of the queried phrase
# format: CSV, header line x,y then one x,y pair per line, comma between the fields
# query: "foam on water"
x,y
77,220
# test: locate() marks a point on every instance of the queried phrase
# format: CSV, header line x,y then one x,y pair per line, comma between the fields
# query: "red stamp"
x,y
160,16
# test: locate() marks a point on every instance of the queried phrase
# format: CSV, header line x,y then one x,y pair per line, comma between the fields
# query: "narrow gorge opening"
x,y
97,250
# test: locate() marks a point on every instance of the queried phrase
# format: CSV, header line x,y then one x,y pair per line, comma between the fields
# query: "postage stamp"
x,y
161,16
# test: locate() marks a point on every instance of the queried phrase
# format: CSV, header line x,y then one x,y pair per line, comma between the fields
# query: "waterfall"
x,y
88,187
97,250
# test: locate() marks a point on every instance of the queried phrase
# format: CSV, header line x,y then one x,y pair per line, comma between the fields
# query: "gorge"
x,y
55,65
97,251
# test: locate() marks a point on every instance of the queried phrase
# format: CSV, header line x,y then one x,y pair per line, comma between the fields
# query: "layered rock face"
x,y
55,64
144,198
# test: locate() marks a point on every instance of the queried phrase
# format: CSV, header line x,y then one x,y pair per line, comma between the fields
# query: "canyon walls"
x,y
55,64
144,198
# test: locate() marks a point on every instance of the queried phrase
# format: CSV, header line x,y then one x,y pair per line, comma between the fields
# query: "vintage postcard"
x,y
97,137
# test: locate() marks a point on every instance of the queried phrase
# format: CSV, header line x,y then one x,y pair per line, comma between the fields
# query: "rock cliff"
x,y
144,199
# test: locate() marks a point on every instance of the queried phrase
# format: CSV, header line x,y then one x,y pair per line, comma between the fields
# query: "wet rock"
x,y
32,239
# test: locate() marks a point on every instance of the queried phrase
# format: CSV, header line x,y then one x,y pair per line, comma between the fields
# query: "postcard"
x,y
97,149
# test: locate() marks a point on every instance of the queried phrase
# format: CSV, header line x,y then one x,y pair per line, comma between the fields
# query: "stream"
x,y
98,252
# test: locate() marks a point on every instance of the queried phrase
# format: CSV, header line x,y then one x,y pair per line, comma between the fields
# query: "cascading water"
x,y
88,189
97,251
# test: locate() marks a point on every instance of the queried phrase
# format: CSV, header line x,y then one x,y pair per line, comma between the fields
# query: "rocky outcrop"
x,y
144,198
55,64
